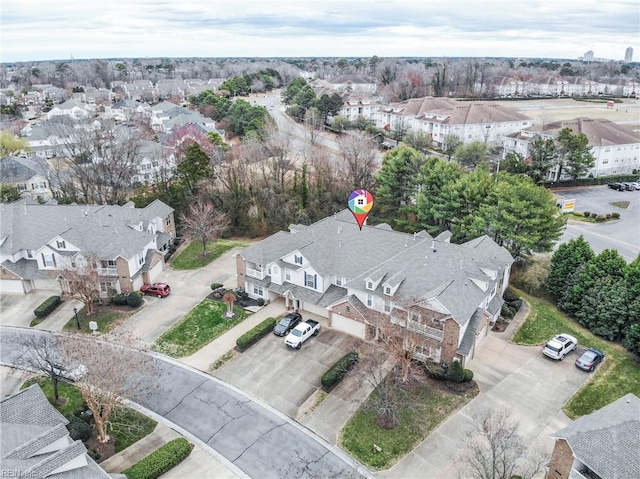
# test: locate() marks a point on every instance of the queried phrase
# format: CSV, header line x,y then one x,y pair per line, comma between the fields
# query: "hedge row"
x,y
47,307
256,333
339,370
601,180
160,461
133,299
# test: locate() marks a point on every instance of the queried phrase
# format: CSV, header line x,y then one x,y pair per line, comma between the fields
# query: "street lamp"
x,y
75,311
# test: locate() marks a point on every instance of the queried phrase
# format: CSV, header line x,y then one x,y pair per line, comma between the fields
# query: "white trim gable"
x,y
483,285
295,258
489,272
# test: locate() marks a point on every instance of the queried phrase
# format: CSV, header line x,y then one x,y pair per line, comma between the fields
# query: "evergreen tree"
x,y
397,183
574,153
567,258
603,308
543,157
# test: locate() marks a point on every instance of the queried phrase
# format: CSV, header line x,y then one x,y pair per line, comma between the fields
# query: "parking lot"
x,y
622,234
284,377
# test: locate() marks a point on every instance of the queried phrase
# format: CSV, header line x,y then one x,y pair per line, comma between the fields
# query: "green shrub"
x,y
608,215
467,375
160,461
260,302
517,304
510,295
615,215
587,214
505,312
256,333
434,370
120,299
47,306
93,454
512,311
578,213
455,373
134,299
594,215
78,429
339,370
215,286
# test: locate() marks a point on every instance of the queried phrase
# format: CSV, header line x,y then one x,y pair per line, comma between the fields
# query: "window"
x,y
387,306
61,244
369,300
287,274
310,280
370,285
338,281
48,260
104,287
348,309
297,259
387,290
167,220
29,253
257,290
140,258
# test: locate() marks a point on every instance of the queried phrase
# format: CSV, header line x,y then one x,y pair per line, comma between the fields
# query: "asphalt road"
x,y
622,234
254,437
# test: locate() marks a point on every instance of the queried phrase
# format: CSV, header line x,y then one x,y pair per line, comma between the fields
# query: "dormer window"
x,y
370,285
387,290
61,244
297,259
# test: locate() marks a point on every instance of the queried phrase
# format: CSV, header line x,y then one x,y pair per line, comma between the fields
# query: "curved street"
x,y
255,438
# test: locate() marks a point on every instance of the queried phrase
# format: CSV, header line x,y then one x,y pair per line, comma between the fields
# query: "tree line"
x,y
601,291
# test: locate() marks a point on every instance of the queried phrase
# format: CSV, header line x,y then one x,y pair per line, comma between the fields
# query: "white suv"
x,y
560,346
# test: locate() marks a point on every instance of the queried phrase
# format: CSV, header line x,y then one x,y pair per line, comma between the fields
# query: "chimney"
x,y
433,246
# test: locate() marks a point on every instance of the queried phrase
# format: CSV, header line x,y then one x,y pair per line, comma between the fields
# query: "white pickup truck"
x,y
301,333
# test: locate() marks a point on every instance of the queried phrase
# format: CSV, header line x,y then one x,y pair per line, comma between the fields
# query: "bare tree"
x,y
112,372
81,281
496,450
229,298
41,353
359,153
204,222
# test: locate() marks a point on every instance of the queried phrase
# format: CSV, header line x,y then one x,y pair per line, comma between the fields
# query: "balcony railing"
x,y
108,271
255,273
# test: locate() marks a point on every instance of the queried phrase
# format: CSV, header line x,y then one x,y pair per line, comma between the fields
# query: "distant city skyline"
x,y
34,30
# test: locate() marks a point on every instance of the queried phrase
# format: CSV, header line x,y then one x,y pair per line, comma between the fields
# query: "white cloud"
x,y
34,30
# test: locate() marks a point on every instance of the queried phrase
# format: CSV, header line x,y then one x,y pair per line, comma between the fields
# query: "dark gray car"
x,y
286,324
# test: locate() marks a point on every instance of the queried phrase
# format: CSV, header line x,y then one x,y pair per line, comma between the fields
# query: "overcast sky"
x,y
59,29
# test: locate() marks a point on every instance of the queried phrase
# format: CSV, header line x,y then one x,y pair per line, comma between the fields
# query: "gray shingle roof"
x,y
14,169
102,229
470,334
336,245
30,424
608,440
599,131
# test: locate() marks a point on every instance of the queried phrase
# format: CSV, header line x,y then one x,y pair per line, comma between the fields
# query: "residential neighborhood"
x,y
179,211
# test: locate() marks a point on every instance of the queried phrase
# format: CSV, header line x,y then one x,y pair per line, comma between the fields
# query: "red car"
x,y
161,290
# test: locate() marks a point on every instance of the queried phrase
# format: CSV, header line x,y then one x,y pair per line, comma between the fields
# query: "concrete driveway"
x,y
283,377
511,377
188,288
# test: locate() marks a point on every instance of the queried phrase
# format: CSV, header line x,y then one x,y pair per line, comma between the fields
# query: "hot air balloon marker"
x,y
360,203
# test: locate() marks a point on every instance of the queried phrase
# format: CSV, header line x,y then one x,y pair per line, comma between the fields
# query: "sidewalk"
x,y
206,356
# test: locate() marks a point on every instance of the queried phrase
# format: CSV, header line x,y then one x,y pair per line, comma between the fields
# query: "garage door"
x,y
349,326
155,271
11,286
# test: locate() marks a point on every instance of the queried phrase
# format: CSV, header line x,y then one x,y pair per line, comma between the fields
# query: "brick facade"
x,y
241,268
450,340
561,460
122,265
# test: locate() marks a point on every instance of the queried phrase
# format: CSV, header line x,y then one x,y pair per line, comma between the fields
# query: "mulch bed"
x,y
105,449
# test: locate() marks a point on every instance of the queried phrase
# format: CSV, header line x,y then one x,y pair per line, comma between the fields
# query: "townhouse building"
x,y
356,279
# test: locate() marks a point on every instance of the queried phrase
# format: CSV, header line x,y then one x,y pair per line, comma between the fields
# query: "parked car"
x,y
617,186
301,333
636,185
590,359
161,290
559,346
628,186
286,324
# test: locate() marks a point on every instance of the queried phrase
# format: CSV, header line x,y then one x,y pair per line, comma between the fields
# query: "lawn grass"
x,y
191,257
204,323
432,404
127,425
105,316
621,204
72,399
619,375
